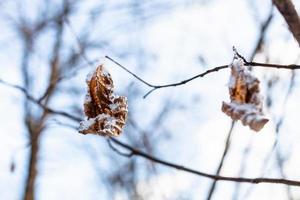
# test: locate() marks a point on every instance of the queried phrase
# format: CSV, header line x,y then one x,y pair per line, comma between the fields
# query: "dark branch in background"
x,y
65,77
81,49
227,145
117,150
36,101
136,152
288,11
263,29
215,69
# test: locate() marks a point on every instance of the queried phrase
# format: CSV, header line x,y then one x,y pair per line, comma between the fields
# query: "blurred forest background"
x,y
49,46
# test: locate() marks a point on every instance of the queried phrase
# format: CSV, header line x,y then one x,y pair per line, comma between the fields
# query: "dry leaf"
x,y
106,112
246,102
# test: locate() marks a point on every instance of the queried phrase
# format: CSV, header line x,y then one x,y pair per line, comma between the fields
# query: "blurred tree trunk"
x,y
32,171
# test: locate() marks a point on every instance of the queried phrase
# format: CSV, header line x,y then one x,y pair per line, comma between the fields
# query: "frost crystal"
x,y
246,102
105,111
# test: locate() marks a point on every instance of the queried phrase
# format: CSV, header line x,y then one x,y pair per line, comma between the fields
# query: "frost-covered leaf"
x,y
106,112
246,102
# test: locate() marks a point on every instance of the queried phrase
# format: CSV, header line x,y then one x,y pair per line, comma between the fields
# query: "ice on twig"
x,y
106,112
246,102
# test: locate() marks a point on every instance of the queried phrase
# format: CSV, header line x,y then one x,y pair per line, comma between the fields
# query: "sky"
x,y
173,44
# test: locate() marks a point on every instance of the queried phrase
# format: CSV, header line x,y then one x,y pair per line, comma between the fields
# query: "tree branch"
x,y
215,69
211,176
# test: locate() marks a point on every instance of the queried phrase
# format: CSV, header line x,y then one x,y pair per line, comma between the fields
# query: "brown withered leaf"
x,y
246,102
106,112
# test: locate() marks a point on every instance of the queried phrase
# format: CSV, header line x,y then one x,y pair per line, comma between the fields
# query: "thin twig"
x,y
133,74
155,87
215,69
278,66
211,176
118,151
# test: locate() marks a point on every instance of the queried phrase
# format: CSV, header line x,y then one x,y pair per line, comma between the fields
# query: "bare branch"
x,y
278,66
215,69
211,176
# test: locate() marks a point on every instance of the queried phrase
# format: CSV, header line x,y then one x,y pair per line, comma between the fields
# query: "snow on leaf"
x,y
105,111
246,102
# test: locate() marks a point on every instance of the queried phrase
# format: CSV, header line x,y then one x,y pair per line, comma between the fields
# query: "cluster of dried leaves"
x,y
246,103
106,111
